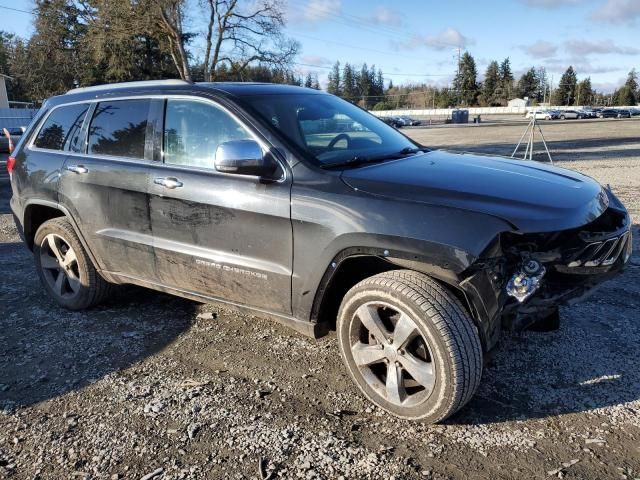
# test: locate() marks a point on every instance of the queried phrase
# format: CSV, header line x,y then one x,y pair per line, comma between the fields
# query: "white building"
x,y
519,102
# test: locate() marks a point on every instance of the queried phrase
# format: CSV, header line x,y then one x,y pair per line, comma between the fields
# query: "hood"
x,y
533,197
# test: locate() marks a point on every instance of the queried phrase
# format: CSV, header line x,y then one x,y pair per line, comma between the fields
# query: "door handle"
x,y
168,182
78,169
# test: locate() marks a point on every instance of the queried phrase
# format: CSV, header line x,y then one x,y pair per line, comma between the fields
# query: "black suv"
x,y
261,197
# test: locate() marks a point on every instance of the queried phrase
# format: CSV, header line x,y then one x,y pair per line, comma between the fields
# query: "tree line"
x,y
87,42
499,86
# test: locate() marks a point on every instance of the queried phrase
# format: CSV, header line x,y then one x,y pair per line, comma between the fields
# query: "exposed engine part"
x,y
526,281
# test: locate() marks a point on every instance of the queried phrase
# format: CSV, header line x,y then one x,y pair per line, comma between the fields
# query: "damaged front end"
x,y
523,278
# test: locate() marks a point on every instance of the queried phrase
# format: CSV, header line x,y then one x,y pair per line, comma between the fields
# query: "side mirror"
x,y
243,157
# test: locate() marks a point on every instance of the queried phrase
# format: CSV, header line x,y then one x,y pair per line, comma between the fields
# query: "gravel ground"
x,y
156,387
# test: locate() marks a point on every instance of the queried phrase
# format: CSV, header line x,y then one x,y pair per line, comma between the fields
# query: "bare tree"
x,y
170,21
240,32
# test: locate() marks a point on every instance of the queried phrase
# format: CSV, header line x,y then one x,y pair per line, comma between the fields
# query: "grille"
x,y
602,253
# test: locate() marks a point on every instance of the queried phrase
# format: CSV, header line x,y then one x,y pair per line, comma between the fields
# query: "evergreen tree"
x,y
632,80
491,80
465,83
335,86
316,82
349,87
505,83
364,83
625,96
308,81
565,93
527,85
54,49
584,92
380,83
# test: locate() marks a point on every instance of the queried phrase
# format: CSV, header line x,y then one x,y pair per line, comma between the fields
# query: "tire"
x,y
443,353
64,268
562,117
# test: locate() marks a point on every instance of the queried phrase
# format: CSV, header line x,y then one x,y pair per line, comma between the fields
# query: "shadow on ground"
x,y
47,351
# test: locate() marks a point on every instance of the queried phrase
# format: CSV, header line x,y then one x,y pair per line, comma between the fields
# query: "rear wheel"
x,y
409,345
64,268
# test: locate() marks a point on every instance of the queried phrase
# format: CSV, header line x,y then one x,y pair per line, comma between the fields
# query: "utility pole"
x,y
458,93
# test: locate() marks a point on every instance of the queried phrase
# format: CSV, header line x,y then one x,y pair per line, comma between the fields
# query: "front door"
x,y
221,235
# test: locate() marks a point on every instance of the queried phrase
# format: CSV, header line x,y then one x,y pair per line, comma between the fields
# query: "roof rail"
x,y
144,83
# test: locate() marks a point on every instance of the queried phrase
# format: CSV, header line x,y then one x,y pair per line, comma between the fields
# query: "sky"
x,y
418,41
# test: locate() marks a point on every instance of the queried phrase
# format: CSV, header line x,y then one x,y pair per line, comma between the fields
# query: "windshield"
x,y
329,129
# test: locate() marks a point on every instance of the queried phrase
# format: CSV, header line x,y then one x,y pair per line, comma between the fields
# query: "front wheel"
x,y
409,345
64,268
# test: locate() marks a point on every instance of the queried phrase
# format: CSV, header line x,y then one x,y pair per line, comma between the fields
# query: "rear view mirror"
x,y
243,157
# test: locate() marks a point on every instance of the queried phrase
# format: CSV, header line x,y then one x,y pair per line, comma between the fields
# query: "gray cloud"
x,y
618,11
316,60
602,47
540,49
384,16
444,40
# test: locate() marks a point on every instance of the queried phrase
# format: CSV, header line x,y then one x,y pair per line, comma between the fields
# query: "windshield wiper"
x,y
360,160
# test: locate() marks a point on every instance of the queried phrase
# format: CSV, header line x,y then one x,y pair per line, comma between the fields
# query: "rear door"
x,y
217,234
105,185
58,133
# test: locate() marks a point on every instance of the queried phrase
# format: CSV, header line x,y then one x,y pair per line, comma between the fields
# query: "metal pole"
x,y
521,138
533,129
544,142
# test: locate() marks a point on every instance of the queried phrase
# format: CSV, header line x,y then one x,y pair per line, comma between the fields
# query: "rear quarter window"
x,y
61,130
118,128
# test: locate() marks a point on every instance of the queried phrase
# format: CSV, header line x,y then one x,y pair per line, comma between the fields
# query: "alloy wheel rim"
x,y
392,354
59,265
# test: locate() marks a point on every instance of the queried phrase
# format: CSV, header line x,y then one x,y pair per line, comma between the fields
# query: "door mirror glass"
x,y
243,157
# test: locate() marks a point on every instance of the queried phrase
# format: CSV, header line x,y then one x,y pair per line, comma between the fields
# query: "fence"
x,y
446,112
16,117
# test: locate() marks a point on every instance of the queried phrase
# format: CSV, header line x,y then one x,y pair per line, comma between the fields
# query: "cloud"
x,y
540,49
444,40
601,47
316,60
384,16
582,67
315,10
550,3
618,11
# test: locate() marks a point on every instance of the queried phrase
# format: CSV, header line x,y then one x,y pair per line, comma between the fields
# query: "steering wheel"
x,y
337,138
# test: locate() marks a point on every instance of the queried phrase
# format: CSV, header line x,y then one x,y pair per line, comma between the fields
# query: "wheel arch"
x,y
36,212
353,265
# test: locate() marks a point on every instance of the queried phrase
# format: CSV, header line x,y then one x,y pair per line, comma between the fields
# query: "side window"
x,y
118,128
61,130
193,130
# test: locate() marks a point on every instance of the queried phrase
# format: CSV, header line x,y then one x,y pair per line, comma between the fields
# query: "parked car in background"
x,y
393,121
408,121
590,113
635,112
542,114
14,132
614,113
607,113
570,114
